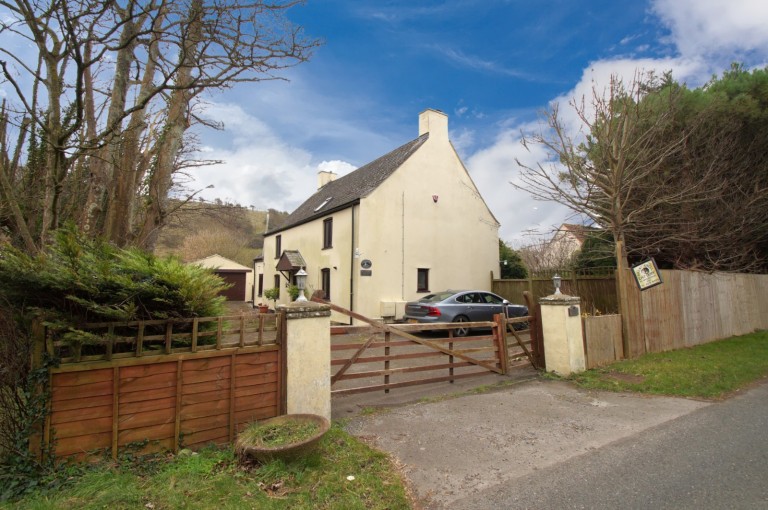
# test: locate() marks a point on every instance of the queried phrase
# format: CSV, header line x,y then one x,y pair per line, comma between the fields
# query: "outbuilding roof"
x,y
349,189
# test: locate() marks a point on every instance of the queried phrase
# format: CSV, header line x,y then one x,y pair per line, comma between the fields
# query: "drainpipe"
x,y
402,251
352,267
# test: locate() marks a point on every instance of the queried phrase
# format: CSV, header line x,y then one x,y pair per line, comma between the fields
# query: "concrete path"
x,y
452,448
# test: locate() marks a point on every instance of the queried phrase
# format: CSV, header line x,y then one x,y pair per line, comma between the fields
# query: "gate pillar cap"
x,y
304,310
559,299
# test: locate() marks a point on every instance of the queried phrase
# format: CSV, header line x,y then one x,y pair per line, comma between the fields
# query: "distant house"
x,y
238,275
408,223
569,238
565,243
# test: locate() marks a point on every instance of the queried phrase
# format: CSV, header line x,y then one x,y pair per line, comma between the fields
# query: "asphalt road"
x,y
712,458
548,445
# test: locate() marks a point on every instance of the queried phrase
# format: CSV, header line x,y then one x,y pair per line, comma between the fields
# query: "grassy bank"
x,y
708,371
341,473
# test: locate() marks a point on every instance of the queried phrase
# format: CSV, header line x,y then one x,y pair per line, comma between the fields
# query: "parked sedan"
x,y
460,306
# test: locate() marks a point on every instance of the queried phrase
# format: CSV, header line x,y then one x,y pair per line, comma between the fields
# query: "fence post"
x,y
501,342
38,441
534,325
307,348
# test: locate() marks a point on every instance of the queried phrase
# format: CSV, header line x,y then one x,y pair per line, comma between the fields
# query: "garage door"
x,y
237,279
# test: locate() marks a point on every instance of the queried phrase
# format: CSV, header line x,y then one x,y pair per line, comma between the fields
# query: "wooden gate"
x,y
380,356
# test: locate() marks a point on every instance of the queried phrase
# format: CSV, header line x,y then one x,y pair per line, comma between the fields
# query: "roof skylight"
x,y
325,202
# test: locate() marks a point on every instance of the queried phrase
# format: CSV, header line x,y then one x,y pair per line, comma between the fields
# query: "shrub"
x,y
23,407
75,281
79,280
272,294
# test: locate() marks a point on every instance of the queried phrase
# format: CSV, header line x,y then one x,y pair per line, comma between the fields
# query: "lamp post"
x,y
301,281
556,280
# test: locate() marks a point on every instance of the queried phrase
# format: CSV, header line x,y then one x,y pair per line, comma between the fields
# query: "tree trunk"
x,y
176,124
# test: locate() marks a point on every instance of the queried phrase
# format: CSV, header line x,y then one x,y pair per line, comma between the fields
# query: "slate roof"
x,y
580,232
349,189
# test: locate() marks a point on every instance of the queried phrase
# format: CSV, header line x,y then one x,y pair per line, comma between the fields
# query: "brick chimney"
x,y
433,122
324,177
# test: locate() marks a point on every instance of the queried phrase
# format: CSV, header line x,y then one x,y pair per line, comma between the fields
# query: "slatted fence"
x,y
692,308
163,384
597,292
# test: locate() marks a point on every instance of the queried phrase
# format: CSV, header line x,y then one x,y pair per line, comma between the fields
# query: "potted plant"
x,y
287,437
272,294
262,308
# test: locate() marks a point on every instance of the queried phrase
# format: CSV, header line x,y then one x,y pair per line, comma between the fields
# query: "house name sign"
x,y
647,274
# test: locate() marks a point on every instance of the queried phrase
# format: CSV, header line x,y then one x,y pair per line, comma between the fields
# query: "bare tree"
x,y
545,256
622,157
103,105
668,172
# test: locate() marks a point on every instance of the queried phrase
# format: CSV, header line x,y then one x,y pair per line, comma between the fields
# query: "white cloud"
x,y
714,27
338,167
259,167
315,126
707,34
493,168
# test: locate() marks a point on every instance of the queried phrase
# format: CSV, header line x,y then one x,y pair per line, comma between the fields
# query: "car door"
x,y
490,305
466,305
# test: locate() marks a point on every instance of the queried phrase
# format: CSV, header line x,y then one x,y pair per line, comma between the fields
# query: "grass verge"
x,y
341,473
708,371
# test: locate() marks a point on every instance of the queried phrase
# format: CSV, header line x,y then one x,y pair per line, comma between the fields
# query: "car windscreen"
x,y
434,298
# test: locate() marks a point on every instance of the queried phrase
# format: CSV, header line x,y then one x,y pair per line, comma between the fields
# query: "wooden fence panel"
x,y
597,293
634,323
699,311
602,338
166,401
511,290
662,314
691,308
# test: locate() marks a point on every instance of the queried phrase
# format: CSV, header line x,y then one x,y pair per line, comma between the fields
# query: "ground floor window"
x,y
325,275
277,281
422,282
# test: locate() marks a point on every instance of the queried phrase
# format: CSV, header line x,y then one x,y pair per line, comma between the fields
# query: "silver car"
x,y
460,306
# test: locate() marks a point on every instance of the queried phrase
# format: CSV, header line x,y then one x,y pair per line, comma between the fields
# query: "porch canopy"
x,y
290,262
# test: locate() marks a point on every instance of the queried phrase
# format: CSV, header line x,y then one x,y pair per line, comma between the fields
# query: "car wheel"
x,y
461,331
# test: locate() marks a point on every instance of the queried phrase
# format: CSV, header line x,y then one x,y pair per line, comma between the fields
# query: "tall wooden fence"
x,y
689,308
692,308
164,384
597,293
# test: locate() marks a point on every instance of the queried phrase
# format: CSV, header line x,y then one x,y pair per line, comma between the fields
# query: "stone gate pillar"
x,y
308,358
562,331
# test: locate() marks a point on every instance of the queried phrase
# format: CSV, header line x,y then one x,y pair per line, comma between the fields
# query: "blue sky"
x,y
491,65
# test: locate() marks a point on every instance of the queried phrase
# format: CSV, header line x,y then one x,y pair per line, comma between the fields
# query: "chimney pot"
x,y
324,177
433,122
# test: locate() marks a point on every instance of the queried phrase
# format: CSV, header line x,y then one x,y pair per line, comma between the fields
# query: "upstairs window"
x,y
278,246
328,233
422,281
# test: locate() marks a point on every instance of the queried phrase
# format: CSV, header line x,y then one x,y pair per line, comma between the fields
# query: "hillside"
x,y
200,229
